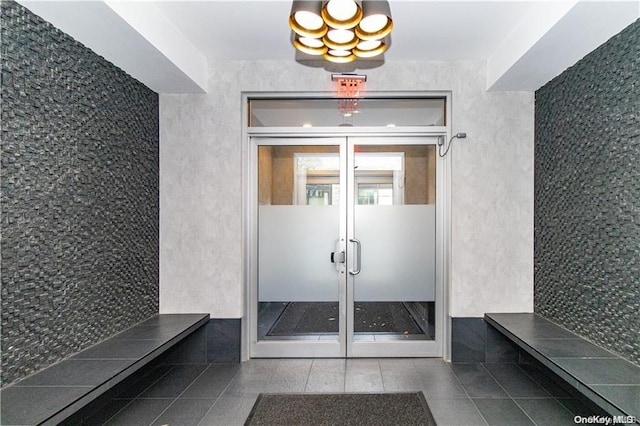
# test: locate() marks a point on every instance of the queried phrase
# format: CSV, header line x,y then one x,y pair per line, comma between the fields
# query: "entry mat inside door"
x,y
403,408
299,318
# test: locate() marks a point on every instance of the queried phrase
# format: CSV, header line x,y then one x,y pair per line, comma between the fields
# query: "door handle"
x,y
358,257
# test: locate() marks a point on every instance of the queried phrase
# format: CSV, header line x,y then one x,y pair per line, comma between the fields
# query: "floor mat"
x,y
322,318
369,409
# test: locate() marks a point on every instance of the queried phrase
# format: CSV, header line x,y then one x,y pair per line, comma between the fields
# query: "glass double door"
x,y
345,247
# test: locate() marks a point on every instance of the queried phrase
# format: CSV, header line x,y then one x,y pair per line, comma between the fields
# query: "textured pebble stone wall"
x,y
587,196
79,202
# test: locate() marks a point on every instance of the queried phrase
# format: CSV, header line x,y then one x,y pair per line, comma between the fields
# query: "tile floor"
x,y
458,394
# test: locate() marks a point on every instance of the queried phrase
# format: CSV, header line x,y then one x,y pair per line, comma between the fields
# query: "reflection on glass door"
x,y
299,205
392,230
346,248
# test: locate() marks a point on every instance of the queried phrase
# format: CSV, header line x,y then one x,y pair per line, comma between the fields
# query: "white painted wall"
x,y
201,184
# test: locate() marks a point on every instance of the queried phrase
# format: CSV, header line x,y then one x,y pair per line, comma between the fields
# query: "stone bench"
x,y
604,378
61,391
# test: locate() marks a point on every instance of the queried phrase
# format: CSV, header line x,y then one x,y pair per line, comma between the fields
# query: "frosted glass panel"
x,y
398,253
295,244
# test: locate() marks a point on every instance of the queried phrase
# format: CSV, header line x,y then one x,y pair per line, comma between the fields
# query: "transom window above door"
x,y
370,112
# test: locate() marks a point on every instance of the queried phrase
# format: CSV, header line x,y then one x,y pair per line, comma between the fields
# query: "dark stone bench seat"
x,y
58,392
606,379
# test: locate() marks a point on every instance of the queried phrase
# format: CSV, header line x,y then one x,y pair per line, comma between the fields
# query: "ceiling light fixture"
x,y
341,30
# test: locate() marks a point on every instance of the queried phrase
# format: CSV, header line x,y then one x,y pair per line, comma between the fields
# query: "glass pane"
x,y
334,112
319,195
395,221
298,226
375,194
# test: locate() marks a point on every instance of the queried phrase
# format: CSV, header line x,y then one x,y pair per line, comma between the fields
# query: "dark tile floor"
x,y
458,394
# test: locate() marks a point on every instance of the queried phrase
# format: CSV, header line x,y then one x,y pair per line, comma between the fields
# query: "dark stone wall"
x,y
587,196
79,201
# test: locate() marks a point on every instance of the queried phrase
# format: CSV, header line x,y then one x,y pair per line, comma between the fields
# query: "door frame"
x,y
300,348
395,348
249,219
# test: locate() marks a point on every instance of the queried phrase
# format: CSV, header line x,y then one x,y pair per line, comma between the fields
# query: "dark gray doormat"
x,y
322,318
370,409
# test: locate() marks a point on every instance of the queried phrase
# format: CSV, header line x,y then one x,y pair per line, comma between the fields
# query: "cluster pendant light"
x,y
341,30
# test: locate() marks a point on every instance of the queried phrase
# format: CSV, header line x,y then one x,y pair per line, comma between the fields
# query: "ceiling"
x,y
168,44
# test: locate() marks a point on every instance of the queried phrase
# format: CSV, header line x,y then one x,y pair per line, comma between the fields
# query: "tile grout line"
x,y
306,382
220,395
118,412
543,387
509,395
272,373
468,396
179,395
384,389
137,397
344,377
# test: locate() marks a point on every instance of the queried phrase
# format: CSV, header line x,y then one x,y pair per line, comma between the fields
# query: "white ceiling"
x,y
167,44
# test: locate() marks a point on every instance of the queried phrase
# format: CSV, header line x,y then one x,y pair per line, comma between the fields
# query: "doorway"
x,y
347,247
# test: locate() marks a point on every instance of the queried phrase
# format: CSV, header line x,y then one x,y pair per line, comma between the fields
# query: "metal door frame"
x,y
292,348
321,136
394,348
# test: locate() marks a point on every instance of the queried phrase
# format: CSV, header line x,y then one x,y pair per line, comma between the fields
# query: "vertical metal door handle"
x,y
358,256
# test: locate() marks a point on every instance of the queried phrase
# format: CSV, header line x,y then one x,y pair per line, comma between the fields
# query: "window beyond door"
x,y
379,179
